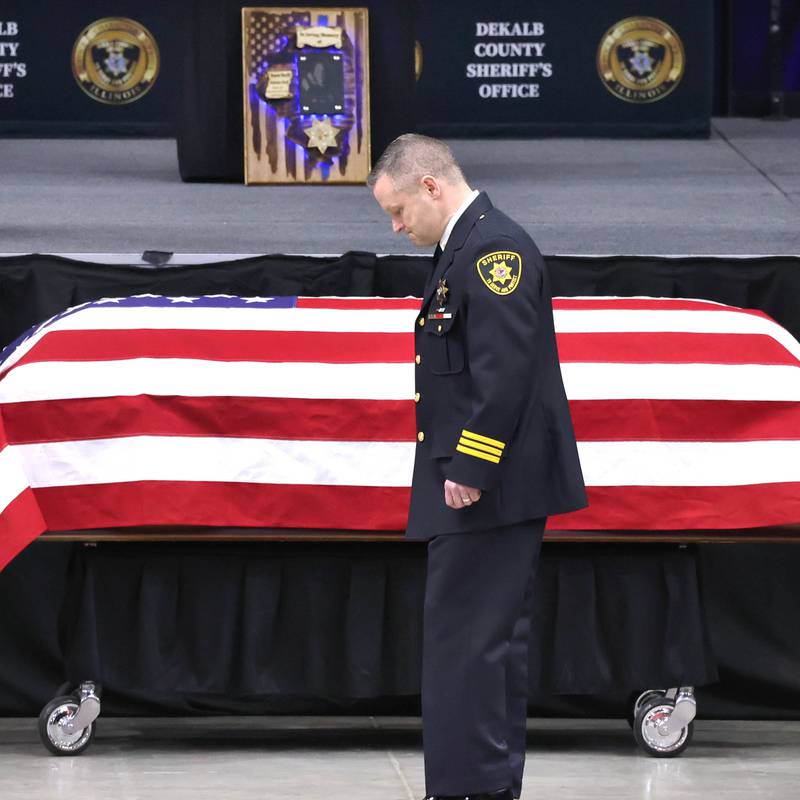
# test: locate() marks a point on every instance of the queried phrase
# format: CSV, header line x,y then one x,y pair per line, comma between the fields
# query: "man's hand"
x,y
456,495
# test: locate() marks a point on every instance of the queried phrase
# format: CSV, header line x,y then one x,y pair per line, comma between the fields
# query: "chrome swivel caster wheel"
x,y
66,723
637,700
663,726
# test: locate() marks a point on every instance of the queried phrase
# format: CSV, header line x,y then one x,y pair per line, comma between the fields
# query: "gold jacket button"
x,y
418,359
421,321
416,397
421,436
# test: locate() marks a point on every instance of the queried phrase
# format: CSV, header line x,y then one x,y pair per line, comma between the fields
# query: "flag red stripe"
x,y
219,345
684,508
266,417
672,348
642,304
20,523
355,348
211,503
380,508
361,348
361,303
379,420
684,420
559,303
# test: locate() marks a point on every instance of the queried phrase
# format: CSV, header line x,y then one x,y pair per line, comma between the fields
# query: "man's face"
x,y
415,211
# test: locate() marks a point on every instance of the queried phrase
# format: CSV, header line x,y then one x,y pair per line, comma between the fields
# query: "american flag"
x,y
297,412
269,33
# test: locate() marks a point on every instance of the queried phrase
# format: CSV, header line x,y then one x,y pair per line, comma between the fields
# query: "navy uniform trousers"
x,y
478,606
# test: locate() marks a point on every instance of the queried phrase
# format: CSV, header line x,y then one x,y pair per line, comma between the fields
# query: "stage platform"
x,y
735,193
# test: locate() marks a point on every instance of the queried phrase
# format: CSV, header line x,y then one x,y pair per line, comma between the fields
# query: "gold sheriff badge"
x,y
322,135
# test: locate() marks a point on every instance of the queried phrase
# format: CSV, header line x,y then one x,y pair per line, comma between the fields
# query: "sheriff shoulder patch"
x,y
500,271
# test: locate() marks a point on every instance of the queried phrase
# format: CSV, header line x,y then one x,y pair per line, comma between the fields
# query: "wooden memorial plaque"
x,y
306,95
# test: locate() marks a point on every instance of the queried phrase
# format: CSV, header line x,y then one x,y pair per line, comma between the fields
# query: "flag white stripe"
x,y
324,320
336,463
400,320
59,380
12,478
601,320
689,463
255,318
240,460
672,321
187,317
606,381
594,297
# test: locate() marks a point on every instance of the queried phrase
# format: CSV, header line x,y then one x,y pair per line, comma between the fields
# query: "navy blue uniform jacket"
x,y
491,408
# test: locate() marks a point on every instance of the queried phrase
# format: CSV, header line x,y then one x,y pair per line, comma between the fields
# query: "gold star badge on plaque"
x,y
322,135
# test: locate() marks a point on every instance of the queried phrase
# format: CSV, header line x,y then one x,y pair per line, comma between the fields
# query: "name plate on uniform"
x,y
306,95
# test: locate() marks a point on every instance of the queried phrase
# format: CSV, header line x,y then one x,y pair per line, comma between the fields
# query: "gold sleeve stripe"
x,y
478,446
477,453
485,439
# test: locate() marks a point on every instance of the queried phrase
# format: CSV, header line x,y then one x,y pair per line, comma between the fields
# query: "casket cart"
x,y
60,377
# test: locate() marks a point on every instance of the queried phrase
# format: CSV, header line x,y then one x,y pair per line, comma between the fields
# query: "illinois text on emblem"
x,y
640,59
115,60
500,271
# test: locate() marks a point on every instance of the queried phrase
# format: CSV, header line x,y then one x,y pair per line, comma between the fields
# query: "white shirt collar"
x,y
452,221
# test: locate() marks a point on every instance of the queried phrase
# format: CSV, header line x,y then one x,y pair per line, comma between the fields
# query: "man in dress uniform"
x,y
496,455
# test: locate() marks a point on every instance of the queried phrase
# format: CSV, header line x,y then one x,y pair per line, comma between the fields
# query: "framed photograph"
x,y
321,84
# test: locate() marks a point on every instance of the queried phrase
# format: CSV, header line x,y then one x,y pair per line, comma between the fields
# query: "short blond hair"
x,y
412,156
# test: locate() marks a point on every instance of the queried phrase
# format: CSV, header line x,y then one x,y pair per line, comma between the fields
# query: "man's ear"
x,y
431,186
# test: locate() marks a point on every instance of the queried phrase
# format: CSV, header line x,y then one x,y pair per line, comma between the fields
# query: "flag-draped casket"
x,y
298,412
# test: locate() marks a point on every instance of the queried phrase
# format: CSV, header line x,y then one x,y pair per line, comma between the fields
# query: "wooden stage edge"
x,y
783,534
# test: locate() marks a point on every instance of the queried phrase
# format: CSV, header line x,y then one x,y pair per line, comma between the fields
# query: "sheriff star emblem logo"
x,y
640,59
115,60
500,271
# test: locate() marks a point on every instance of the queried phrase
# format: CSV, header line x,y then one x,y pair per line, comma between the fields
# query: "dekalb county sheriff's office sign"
x,y
11,68
583,68
521,50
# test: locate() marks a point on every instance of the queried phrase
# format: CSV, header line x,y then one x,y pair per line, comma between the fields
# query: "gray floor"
x,y
737,193
380,759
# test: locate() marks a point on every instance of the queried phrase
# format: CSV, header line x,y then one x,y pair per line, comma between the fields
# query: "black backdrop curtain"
x,y
310,627
34,287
